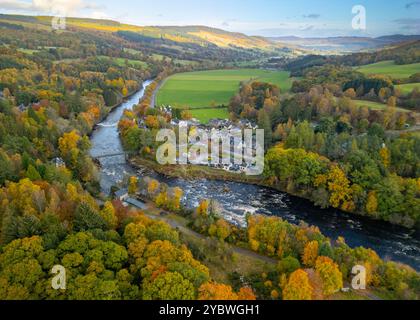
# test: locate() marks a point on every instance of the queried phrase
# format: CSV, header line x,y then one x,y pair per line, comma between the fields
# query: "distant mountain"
x,y
344,44
201,35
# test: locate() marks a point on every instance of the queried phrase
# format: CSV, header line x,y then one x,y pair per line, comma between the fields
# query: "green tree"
x,y
168,286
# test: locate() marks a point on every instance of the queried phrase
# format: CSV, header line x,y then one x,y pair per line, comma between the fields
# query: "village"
x,y
240,156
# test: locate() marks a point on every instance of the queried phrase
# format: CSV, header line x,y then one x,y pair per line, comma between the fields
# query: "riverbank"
x,y
115,106
246,195
192,172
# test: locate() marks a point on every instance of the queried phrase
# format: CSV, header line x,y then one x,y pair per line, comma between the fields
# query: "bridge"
x,y
110,155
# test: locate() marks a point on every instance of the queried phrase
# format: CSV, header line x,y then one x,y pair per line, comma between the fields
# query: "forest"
x,y
55,87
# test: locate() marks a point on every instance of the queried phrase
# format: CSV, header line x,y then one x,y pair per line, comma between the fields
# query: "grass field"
x,y
121,61
391,69
28,51
213,88
204,115
375,105
407,88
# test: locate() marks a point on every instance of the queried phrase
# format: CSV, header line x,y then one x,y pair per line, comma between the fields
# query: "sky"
x,y
304,18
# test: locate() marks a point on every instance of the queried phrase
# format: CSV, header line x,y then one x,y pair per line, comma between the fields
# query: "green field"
x,y
213,88
204,115
28,51
389,68
375,105
121,61
407,88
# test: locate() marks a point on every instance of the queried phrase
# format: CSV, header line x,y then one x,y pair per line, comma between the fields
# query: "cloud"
x,y
64,7
412,4
307,28
311,16
412,24
99,15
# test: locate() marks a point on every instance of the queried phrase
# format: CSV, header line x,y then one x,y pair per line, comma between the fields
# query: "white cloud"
x,y
99,15
64,7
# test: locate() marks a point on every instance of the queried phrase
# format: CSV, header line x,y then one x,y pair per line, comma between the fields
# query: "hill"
x,y
344,44
200,35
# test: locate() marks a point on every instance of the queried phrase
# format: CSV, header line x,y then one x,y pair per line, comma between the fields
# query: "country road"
x,y
153,98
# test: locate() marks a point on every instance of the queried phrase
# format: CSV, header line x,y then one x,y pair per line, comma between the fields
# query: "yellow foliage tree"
x,y
152,187
372,203
108,214
332,279
310,253
385,156
132,186
339,188
298,287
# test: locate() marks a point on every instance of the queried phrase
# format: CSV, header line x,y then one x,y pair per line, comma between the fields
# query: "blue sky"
x,y
309,18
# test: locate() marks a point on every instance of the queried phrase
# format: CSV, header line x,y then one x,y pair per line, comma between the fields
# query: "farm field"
x,y
391,69
121,61
375,105
205,115
407,88
213,88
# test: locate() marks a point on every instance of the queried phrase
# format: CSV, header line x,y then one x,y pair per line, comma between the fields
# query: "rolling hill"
x,y
200,35
344,44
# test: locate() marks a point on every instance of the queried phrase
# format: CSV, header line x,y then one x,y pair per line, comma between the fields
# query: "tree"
x,y
152,187
33,174
68,145
372,203
132,186
265,124
216,291
168,286
108,214
87,218
175,201
310,253
385,156
162,199
221,229
330,274
351,93
151,122
21,275
288,265
298,287
246,293
339,188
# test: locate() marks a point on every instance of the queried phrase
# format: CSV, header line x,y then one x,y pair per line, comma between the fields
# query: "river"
x,y
390,242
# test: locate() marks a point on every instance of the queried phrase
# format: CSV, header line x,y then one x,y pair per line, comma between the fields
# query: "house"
x,y
22,107
121,194
58,162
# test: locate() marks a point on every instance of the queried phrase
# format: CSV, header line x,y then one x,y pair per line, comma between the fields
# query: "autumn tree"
x,y
108,214
310,253
168,286
298,287
330,274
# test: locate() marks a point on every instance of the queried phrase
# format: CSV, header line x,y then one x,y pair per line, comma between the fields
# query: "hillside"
x,y
344,44
201,35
